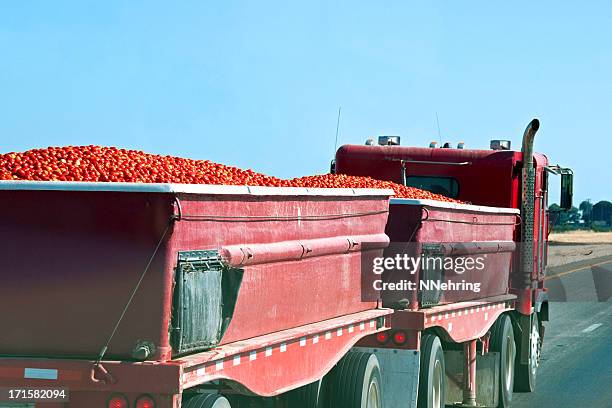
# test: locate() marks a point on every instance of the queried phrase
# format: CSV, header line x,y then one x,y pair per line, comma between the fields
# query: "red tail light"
x,y
400,337
117,401
145,401
382,337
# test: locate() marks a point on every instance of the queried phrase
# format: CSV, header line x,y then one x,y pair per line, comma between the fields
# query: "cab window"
x,y
446,186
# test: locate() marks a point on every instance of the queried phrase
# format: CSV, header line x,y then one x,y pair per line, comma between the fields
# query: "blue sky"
x,y
258,84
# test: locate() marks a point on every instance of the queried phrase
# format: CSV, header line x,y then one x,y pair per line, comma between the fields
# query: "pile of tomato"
x,y
95,163
111,164
346,181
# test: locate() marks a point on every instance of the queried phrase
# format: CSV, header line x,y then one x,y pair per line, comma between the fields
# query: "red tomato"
x,y
110,164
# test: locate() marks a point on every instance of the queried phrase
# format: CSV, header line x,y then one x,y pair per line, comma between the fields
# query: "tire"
x,y
207,401
502,341
355,382
303,397
526,374
432,376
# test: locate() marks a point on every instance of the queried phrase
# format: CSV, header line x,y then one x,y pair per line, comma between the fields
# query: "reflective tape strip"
x,y
206,372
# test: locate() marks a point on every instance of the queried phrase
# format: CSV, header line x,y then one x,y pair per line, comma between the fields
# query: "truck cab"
x,y
485,177
487,183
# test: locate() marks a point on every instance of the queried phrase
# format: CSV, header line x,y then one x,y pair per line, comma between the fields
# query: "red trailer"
x,y
154,295
159,292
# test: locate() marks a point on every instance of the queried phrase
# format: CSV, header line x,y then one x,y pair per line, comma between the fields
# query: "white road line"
x,y
592,327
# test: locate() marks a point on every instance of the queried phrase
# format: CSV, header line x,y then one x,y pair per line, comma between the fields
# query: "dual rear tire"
x,y
308,396
525,378
355,382
432,382
432,376
502,341
206,401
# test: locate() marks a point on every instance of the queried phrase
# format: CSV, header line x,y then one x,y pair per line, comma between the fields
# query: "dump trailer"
x,y
122,295
141,295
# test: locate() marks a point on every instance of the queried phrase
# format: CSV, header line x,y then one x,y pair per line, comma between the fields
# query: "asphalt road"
x,y
576,366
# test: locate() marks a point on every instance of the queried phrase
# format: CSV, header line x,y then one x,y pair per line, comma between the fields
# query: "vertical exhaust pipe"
x,y
528,203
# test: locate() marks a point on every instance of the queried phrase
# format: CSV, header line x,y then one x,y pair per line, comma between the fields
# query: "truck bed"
x,y
251,261
454,230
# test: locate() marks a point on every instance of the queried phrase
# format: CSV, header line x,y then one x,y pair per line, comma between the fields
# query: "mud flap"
x,y
400,376
522,329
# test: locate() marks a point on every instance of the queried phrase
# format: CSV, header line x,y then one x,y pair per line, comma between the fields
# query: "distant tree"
x,y
602,212
559,216
586,208
573,215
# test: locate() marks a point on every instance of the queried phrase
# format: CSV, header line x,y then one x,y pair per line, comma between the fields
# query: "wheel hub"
x,y
535,345
436,391
373,396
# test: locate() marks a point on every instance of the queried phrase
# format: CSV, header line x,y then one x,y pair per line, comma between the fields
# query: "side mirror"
x,y
567,187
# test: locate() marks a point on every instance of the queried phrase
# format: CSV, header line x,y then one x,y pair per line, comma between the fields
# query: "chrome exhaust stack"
x,y
528,203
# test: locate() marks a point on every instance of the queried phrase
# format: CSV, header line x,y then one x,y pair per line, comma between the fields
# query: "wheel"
x,y
525,376
207,401
303,397
502,341
355,382
432,383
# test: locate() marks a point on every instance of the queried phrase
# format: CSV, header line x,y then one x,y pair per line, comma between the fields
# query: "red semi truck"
x,y
120,295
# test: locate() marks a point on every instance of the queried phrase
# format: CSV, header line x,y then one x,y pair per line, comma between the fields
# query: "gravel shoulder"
x,y
576,246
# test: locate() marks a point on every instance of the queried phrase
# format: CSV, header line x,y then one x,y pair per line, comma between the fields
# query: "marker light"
x,y
117,401
400,337
145,401
382,337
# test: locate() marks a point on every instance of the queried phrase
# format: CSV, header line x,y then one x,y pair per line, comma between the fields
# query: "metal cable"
x,y
260,218
129,302
472,223
468,222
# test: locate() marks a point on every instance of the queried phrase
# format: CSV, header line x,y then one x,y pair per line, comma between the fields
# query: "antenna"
x,y
337,128
439,133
